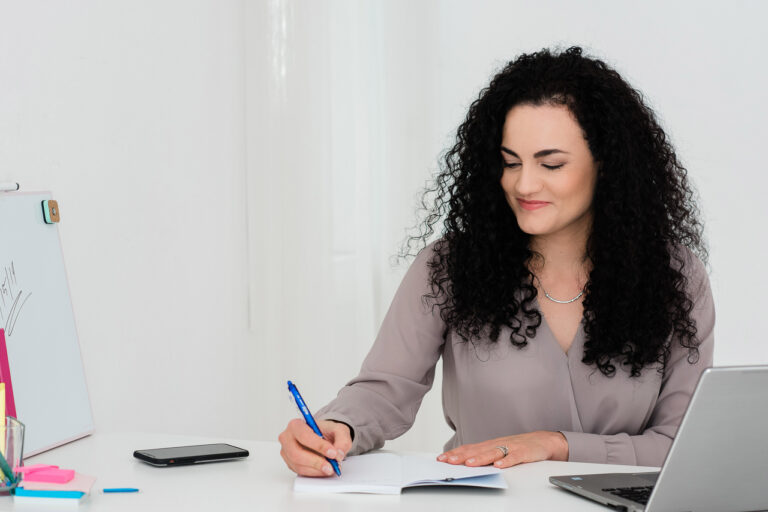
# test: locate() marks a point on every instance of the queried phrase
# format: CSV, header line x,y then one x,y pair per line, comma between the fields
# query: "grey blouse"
x,y
495,389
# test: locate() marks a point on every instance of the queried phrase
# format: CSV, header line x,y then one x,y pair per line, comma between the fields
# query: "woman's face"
x,y
549,173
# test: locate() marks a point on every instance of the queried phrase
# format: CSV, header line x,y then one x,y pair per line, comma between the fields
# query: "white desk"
x,y
262,482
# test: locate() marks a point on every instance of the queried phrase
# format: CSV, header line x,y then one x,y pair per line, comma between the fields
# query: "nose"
x,y
528,182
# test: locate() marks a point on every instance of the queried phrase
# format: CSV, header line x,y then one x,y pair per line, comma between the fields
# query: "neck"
x,y
561,253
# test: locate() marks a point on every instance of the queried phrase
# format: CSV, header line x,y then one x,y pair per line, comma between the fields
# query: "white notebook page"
x,y
388,473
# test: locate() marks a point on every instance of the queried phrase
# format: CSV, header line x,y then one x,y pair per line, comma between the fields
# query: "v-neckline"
x,y
544,323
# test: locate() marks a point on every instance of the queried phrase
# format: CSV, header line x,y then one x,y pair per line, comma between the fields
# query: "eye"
x,y
553,167
510,164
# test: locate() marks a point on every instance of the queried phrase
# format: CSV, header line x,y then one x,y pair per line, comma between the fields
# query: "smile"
x,y
531,205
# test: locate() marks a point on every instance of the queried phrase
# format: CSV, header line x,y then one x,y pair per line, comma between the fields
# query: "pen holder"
x,y
11,453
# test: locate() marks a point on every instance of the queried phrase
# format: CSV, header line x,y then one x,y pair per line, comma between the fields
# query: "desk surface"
x,y
263,481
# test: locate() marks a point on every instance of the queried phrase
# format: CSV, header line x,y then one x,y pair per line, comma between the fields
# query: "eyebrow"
x,y
538,154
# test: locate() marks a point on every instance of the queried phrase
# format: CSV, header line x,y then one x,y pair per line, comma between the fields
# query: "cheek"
x,y
578,191
507,183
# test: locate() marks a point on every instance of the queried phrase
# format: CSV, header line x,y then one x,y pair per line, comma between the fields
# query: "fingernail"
x,y
453,458
497,463
441,457
340,455
327,469
331,453
470,461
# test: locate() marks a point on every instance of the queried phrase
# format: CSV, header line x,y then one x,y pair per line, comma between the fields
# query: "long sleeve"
x,y
650,447
382,401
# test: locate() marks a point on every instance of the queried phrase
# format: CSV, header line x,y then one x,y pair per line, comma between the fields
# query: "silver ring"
x,y
504,450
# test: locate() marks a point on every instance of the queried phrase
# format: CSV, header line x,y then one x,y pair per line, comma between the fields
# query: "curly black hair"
x,y
644,216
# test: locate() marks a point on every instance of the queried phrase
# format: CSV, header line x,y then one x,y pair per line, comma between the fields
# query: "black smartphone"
x,y
181,455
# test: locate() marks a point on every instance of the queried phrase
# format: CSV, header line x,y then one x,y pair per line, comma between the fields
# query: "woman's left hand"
x,y
530,447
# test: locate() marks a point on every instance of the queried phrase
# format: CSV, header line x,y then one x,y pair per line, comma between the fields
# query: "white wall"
x,y
132,113
235,175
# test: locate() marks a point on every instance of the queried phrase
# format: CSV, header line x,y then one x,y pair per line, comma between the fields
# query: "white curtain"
x,y
333,179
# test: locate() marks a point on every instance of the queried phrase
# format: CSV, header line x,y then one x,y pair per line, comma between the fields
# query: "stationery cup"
x,y
11,452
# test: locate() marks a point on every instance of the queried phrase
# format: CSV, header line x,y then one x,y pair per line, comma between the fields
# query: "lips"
x,y
531,205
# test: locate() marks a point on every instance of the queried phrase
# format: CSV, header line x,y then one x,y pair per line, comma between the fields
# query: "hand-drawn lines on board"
x,y
12,298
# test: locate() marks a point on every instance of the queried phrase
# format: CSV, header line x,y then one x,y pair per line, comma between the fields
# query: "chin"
x,y
533,228
534,232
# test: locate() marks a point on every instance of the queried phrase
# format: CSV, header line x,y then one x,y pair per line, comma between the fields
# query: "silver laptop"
x,y
717,462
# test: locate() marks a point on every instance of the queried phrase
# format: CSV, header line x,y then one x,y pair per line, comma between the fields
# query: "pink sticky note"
x,y
34,467
52,475
5,376
82,483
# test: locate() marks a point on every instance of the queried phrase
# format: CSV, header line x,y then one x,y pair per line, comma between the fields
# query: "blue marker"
x,y
310,420
121,489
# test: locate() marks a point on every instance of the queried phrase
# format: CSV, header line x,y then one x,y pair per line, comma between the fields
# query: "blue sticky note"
x,y
20,491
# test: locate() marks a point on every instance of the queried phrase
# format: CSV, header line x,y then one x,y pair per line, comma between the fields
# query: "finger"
x,y
301,470
312,472
340,436
287,460
458,455
485,457
286,440
514,457
300,459
307,437
517,455
508,461
291,452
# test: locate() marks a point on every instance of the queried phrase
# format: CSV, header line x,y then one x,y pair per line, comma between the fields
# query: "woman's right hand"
x,y
304,452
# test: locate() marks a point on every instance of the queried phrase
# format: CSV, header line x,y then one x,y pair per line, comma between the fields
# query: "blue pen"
x,y
121,489
310,420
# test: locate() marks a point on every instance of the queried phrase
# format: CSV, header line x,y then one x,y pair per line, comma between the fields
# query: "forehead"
x,y
528,128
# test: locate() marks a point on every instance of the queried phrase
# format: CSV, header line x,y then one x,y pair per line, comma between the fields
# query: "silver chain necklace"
x,y
554,299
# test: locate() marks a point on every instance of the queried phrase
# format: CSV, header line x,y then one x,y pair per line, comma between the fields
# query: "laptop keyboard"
x,y
636,494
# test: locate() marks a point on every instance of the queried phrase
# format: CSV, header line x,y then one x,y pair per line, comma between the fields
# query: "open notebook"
x,y
389,473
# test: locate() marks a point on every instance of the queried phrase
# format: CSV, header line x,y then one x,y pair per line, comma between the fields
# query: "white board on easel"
x,y
46,367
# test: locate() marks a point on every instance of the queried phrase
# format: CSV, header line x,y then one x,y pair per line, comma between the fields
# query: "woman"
x,y
565,296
